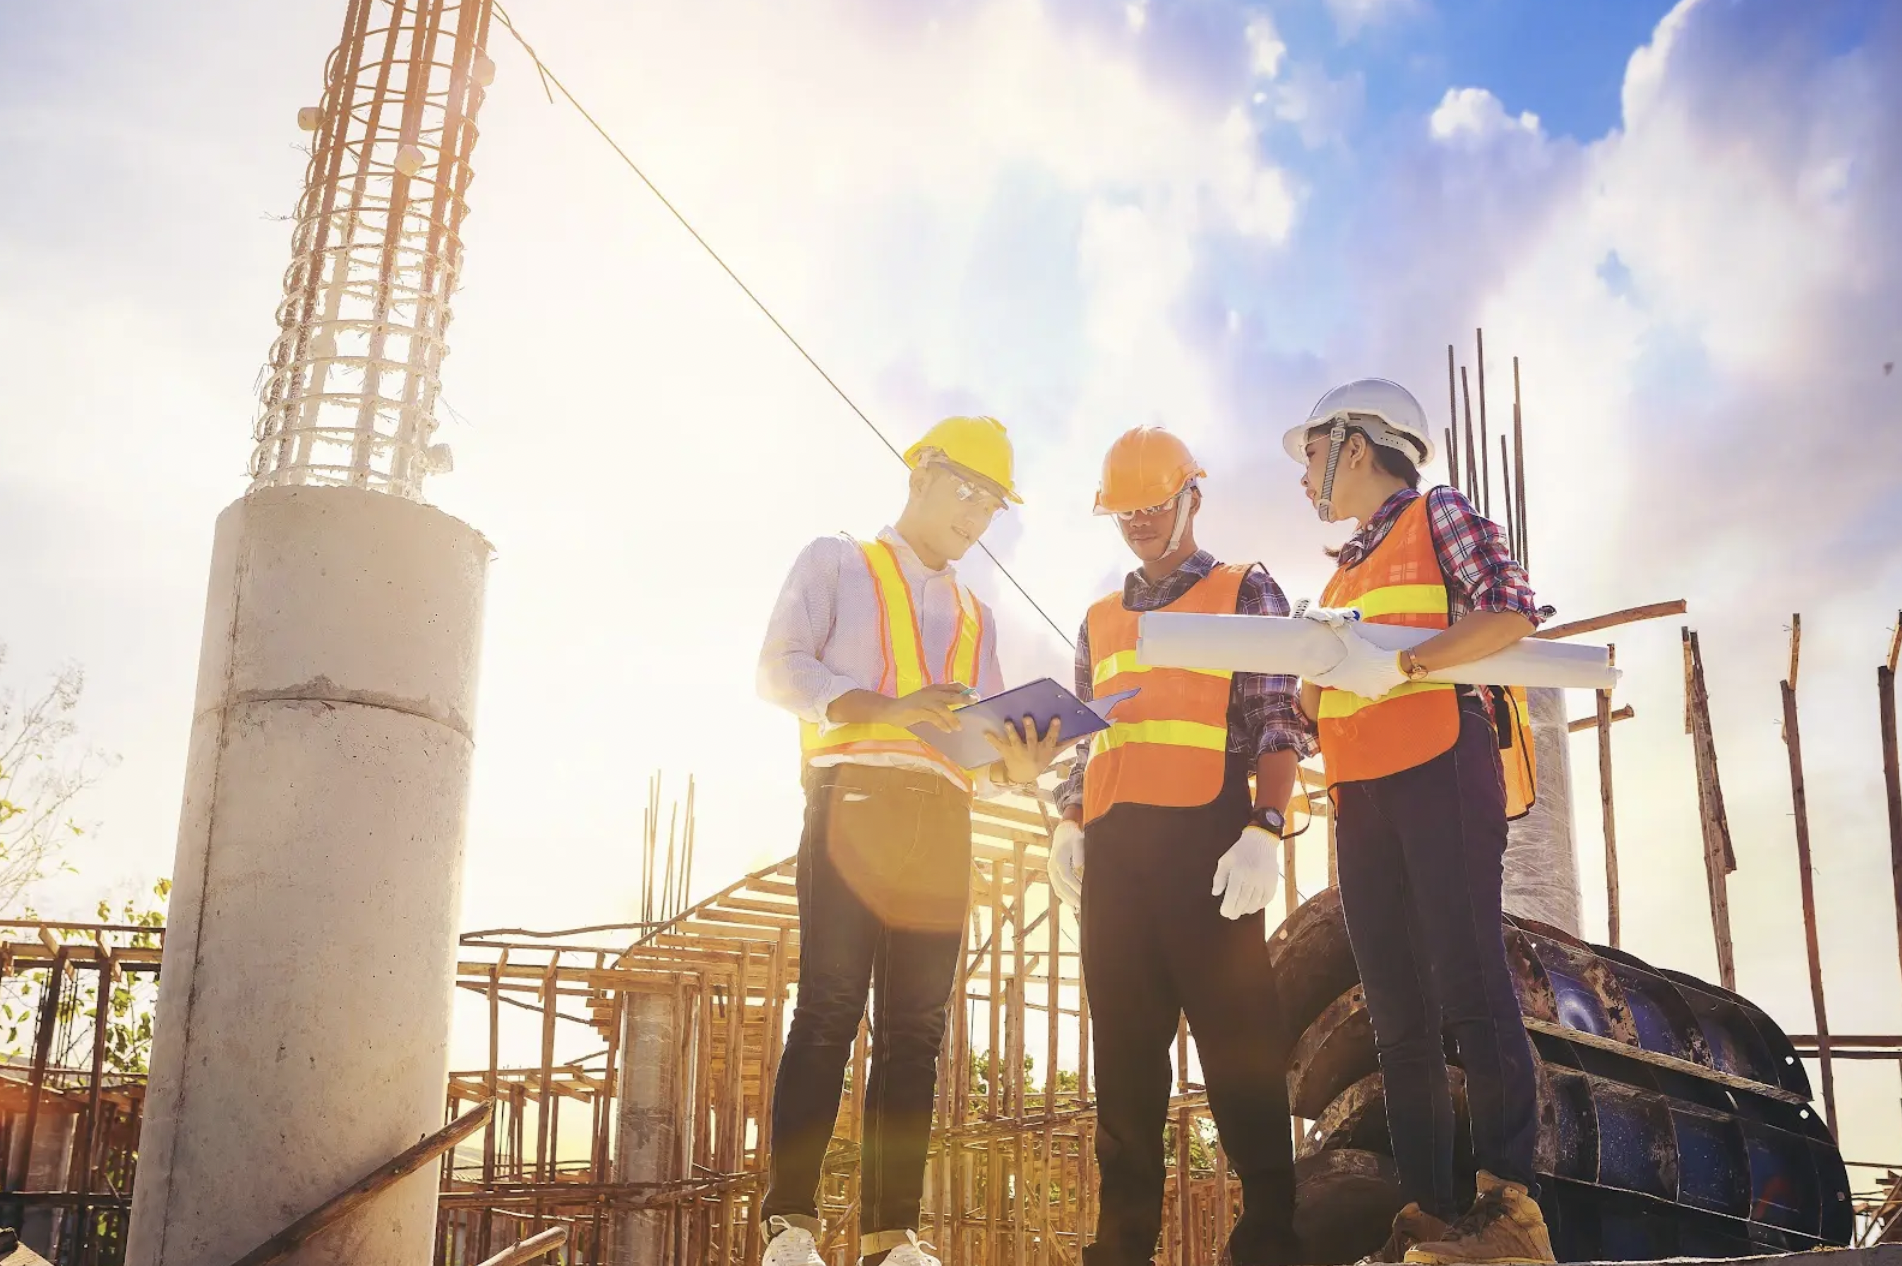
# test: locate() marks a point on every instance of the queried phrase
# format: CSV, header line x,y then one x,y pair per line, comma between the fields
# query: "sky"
x,y
1077,215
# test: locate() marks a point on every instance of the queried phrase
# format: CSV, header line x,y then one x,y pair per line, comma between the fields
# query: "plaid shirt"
x,y
1481,573
1263,711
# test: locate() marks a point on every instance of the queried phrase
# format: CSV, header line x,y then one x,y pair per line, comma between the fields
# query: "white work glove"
x,y
1249,873
1365,669
1333,617
1066,864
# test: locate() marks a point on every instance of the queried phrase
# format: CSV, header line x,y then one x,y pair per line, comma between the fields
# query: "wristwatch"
x,y
1413,668
1269,820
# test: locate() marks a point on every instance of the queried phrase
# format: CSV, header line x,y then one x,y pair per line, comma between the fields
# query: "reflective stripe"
x,y
1345,703
1402,600
904,671
1125,662
1196,734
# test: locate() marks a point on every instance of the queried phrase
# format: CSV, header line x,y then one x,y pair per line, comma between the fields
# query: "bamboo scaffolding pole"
x,y
1892,769
1806,877
1607,815
1719,858
1453,422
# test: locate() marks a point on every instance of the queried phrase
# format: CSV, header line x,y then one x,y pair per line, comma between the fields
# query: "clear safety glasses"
x,y
972,497
1150,512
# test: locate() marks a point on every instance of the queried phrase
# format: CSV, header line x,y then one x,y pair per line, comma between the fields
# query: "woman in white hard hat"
x,y
1421,799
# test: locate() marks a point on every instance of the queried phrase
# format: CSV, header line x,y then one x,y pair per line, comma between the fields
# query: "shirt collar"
x,y
1137,585
1379,521
908,558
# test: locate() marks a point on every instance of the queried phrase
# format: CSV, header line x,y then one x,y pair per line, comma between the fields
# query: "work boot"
x,y
1503,1228
792,1241
1412,1225
908,1251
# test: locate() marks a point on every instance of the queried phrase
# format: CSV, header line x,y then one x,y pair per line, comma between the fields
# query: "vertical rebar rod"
x,y
1472,459
1453,421
1519,468
1485,445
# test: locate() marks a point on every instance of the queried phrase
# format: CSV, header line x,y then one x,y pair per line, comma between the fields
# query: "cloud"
x,y
1354,17
1474,115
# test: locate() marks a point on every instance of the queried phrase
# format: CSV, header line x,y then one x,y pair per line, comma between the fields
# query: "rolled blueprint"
x,y
1301,647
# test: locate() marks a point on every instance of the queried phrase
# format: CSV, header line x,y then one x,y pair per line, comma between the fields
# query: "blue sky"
x,y
1077,214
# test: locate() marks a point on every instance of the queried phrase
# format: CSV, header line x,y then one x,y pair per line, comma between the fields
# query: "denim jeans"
x,y
1420,857
884,883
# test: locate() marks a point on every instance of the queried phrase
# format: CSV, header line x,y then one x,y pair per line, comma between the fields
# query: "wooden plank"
x,y
366,1189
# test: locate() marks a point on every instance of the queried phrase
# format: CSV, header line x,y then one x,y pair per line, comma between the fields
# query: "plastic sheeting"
x,y
1541,856
1275,644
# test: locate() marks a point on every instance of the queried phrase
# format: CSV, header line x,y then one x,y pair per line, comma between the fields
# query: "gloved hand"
x,y
1248,873
1365,669
1333,617
1066,863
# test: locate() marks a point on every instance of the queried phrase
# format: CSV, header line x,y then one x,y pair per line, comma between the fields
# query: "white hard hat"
x,y
1385,410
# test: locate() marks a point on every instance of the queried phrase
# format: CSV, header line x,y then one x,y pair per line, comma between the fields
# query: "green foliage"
x,y
43,768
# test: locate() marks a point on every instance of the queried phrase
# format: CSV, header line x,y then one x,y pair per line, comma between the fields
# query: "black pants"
x,y
1156,947
884,882
1420,867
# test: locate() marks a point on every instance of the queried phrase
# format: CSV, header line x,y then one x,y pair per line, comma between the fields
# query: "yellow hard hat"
x,y
980,445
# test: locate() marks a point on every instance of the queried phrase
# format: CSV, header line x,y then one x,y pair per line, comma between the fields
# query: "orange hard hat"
x,y
1143,468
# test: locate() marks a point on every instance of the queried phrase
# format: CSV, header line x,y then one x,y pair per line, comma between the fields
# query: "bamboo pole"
x,y
1806,878
1892,778
1606,813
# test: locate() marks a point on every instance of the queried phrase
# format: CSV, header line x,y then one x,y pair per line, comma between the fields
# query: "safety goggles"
x,y
972,497
1149,512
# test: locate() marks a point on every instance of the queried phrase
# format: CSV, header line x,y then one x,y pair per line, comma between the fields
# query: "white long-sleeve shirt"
x,y
824,637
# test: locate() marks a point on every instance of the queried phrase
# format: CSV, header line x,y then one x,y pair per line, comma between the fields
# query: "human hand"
x,y
1024,755
1364,669
930,706
1249,873
1066,863
1333,617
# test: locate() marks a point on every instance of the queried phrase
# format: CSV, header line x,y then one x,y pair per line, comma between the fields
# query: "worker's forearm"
x,y
1275,775
857,707
1310,701
1474,636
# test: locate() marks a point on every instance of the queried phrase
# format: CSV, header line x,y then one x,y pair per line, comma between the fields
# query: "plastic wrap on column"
x,y
647,1104
304,1011
1541,861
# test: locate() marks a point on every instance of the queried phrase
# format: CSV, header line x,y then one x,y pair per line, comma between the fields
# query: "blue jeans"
x,y
884,882
1420,856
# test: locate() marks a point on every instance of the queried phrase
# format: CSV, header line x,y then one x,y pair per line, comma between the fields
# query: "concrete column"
x,y
647,1121
304,1010
1541,860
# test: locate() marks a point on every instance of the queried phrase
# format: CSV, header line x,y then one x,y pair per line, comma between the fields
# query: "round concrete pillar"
x,y
1541,860
304,1009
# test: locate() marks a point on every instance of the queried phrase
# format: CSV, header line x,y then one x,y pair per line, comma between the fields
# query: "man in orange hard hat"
x,y
870,638
1181,864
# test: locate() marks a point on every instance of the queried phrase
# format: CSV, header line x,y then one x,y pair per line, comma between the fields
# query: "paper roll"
x,y
1301,647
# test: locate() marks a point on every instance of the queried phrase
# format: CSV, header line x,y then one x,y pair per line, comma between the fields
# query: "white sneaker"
x,y
911,1253
790,1245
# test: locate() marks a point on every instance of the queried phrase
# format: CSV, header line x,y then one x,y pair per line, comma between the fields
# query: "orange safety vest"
x,y
1168,745
905,670
1361,738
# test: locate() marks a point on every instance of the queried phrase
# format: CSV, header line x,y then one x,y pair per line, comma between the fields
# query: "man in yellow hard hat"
x,y
1180,865
869,638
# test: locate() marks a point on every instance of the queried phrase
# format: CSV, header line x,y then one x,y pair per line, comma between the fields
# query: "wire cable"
x,y
548,77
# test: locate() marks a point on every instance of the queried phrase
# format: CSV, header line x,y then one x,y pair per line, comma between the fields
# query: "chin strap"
x,y
1336,439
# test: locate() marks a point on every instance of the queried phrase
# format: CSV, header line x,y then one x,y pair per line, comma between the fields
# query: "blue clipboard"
x,y
1042,700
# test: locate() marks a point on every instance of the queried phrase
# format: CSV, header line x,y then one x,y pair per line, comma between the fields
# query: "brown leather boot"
x,y
1503,1228
1412,1225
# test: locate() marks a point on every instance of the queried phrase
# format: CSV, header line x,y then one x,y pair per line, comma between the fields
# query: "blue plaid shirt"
x,y
1263,711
